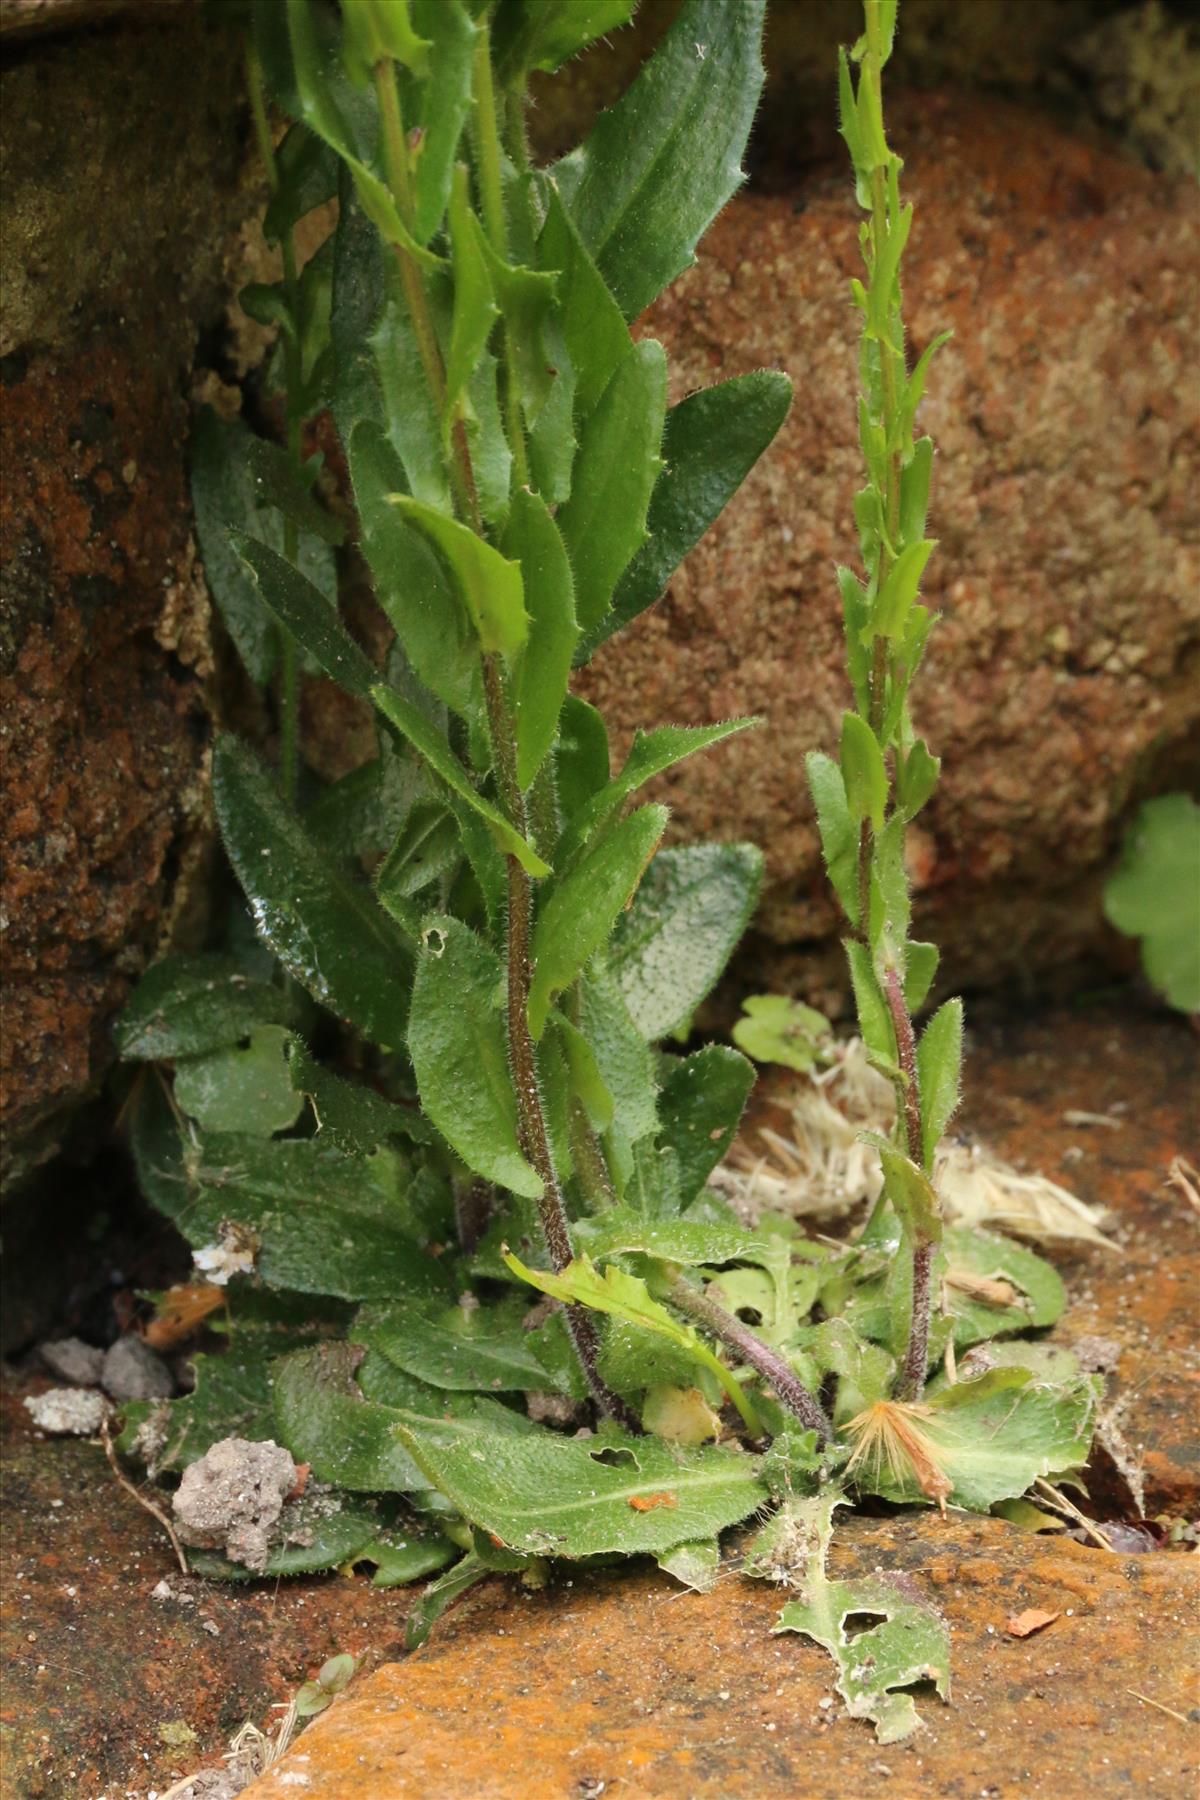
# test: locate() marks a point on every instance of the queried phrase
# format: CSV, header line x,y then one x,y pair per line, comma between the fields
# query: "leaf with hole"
x,y
898,1640
548,1495
241,1087
190,1005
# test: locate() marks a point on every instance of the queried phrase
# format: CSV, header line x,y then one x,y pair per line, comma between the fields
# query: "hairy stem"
x,y
907,1091
751,1349
491,194
911,1384
531,1118
916,1355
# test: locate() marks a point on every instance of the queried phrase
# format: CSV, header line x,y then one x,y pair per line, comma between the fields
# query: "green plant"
x,y
1154,895
885,773
492,1116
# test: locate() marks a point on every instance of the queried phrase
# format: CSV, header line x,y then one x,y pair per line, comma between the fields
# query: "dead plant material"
x,y
1062,1503
891,1440
984,1288
147,1505
1159,1707
1024,1624
181,1311
1186,1181
824,1169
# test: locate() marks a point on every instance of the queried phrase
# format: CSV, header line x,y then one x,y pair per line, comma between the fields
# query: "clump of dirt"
x,y
68,1411
230,1499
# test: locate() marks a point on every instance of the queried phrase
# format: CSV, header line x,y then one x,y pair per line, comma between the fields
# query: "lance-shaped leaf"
x,y
594,330
480,1349
652,753
659,166
279,483
225,494
458,1042
874,1019
321,113
916,777
490,584
908,1188
439,106
839,833
939,1068
581,758
914,491
711,442
863,771
549,1495
909,1644
329,933
425,738
412,580
889,614
186,1005
578,913
920,967
701,1105
532,539
318,1221
303,611
623,1057
475,309
624,1296
542,34
604,522
672,946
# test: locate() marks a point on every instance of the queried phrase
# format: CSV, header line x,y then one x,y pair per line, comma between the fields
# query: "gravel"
x,y
132,1371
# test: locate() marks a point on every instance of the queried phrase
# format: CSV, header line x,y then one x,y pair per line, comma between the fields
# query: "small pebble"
x,y
133,1371
68,1412
72,1360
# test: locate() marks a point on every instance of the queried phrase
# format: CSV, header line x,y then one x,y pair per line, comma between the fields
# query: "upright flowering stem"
x,y
532,1128
885,773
